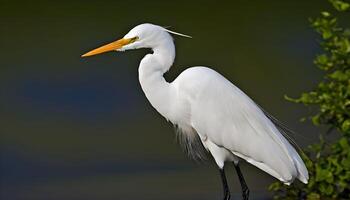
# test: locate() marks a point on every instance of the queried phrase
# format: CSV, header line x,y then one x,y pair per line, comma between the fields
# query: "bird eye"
x,y
134,39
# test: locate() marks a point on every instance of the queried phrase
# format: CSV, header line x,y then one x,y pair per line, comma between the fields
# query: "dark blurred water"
x,y
75,128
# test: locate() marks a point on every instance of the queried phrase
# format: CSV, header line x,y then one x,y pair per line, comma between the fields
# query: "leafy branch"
x,y
329,163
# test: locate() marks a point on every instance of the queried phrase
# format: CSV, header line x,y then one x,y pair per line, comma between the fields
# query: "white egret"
x,y
211,113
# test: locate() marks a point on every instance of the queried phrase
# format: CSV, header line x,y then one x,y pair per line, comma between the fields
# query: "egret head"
x,y
141,36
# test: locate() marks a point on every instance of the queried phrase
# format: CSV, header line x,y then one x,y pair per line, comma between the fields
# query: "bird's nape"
x,y
177,33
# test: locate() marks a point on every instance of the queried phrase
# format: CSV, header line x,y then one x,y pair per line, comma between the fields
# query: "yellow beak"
x,y
109,47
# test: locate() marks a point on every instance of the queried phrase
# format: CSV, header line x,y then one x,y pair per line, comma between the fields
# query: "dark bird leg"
x,y
227,194
245,189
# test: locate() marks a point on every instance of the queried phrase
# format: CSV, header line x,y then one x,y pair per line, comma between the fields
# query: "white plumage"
x,y
204,104
229,122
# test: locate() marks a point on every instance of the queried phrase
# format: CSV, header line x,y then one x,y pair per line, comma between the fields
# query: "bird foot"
x,y
245,194
227,196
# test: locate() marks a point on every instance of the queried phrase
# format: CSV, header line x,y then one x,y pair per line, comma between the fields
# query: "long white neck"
x,y
152,67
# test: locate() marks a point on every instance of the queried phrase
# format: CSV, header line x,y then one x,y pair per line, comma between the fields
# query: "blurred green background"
x,y
74,128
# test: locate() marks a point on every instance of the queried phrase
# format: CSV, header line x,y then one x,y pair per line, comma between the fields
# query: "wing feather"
x,y
224,114
284,130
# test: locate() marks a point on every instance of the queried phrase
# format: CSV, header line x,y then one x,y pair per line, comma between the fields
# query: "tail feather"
x,y
303,174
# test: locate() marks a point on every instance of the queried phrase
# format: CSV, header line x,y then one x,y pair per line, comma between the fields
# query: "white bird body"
x,y
235,126
201,101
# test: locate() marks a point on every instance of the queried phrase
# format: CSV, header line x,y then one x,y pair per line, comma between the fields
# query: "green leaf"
x,y
321,59
316,120
326,188
325,14
345,125
339,75
343,142
275,186
340,5
342,185
346,163
327,34
313,196
323,174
